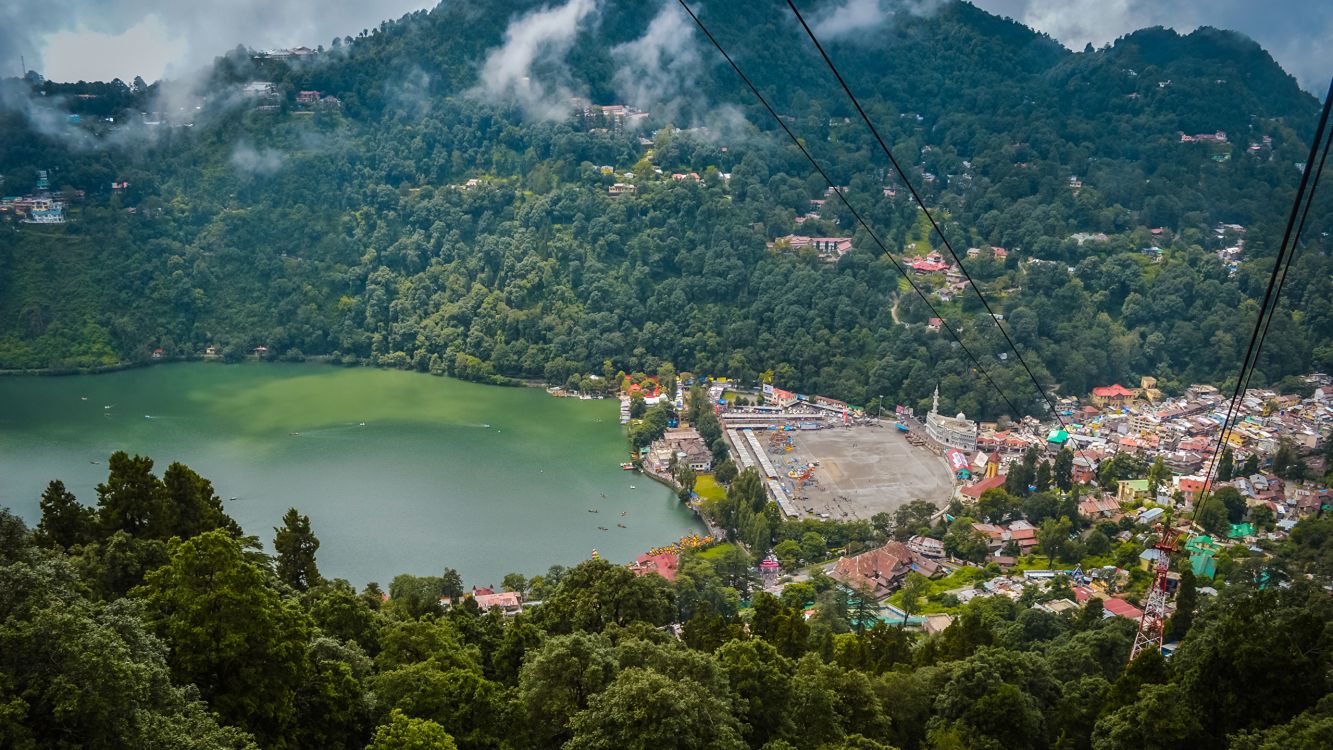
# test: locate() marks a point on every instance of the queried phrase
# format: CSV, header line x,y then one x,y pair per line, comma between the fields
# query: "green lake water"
x,y
483,479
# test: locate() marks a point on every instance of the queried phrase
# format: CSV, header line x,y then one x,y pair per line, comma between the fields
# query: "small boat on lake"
x,y
621,525
593,510
603,528
633,487
627,466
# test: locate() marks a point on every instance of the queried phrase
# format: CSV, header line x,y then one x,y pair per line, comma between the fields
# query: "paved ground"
x,y
864,470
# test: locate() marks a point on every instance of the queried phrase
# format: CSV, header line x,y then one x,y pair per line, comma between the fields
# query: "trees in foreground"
x,y
214,646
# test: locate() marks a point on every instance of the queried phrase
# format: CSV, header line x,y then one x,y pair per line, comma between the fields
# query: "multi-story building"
x,y
955,432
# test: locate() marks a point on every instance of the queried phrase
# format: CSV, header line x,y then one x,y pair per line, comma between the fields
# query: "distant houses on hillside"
x,y
827,248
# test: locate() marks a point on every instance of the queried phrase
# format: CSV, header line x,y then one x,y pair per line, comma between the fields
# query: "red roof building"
x,y
1111,395
1191,488
1121,608
665,565
974,491
508,602
1099,507
882,569
925,265
649,388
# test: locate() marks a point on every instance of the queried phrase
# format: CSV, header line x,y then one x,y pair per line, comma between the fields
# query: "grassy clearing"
x,y
708,489
958,579
714,553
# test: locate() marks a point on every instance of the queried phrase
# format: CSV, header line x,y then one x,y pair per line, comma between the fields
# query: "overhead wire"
x,y
843,199
902,175
1300,228
1286,251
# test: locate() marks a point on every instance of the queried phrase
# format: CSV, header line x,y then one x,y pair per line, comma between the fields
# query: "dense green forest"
x,y
151,621
343,230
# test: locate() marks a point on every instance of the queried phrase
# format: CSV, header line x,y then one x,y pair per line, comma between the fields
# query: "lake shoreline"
x,y
400,474
319,359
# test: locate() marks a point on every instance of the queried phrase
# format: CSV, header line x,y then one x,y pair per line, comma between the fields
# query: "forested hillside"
x,y
151,622
348,229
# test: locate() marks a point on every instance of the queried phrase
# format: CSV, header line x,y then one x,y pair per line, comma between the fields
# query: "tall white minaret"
x,y
935,405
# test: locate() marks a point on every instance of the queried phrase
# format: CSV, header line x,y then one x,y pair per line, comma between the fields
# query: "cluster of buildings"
x,y
42,206
828,249
607,117
294,53
882,571
486,598
1231,237
1181,432
955,283
1256,149
1218,137
268,98
678,445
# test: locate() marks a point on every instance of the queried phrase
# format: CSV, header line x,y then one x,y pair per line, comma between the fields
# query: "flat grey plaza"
x,y
860,471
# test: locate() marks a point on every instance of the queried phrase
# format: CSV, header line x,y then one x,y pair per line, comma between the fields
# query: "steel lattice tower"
x,y
1152,624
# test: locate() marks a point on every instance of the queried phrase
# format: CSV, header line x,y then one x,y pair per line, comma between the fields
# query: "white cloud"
x,y
852,18
102,39
529,65
660,70
246,158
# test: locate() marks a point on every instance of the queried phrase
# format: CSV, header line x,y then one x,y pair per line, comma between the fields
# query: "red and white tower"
x,y
1153,621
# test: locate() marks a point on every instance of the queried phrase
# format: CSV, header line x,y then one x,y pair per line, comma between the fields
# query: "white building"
x,y
955,432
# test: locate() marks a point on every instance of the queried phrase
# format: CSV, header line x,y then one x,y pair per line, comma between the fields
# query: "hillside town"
x,y
1086,510
41,206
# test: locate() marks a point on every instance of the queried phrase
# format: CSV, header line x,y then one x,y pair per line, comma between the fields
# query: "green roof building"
x,y
1201,550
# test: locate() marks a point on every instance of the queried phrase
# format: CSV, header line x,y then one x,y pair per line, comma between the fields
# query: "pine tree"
x,y
1064,469
132,499
1157,476
296,545
1251,465
1226,465
1187,598
65,522
1043,481
451,585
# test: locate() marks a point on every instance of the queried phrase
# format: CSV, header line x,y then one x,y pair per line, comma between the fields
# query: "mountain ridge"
x,y
237,240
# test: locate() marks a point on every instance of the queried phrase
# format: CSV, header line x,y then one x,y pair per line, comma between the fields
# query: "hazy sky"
x,y
104,39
